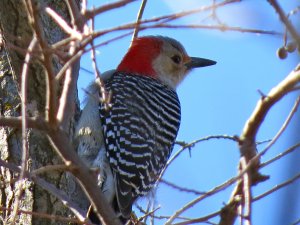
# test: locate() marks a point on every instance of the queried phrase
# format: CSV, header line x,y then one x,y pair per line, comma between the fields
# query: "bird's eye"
x,y
176,59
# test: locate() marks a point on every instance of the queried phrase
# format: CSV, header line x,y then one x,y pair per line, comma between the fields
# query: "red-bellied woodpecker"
x,y
132,140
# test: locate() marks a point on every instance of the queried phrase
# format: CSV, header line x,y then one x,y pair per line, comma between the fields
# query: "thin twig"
x,y
84,6
47,216
105,97
66,101
296,222
77,19
200,198
149,213
172,17
285,20
190,145
51,106
32,122
50,168
211,192
145,211
152,207
63,24
63,147
183,189
247,139
67,97
87,70
246,193
59,194
89,14
262,108
62,43
25,152
75,57
138,20
82,51
240,209
88,39
283,127
175,16
238,189
59,53
289,150
130,26
199,220
61,144
149,204
163,217
222,28
277,187
278,134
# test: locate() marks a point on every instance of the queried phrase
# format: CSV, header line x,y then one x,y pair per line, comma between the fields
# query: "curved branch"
x,y
247,142
248,136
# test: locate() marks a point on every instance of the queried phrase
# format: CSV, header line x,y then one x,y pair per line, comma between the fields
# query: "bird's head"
x,y
162,58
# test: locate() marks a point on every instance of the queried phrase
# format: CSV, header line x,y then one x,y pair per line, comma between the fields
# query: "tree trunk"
x,y
16,36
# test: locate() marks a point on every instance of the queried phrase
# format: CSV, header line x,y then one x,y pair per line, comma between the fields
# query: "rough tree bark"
x,y
16,34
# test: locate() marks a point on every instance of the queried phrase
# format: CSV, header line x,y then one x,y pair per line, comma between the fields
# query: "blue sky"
x,y
218,100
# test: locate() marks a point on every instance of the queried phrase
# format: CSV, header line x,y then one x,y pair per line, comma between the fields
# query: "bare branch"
x,y
139,17
247,195
105,96
183,189
63,24
24,78
49,168
175,16
277,187
77,19
283,127
111,40
144,26
32,122
192,144
289,150
207,194
262,108
222,28
285,20
81,40
63,147
91,13
147,213
68,64
66,101
51,189
199,220
61,144
47,216
51,106
247,140
296,223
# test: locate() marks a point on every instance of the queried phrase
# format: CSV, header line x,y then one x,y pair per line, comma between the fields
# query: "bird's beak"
x,y
199,62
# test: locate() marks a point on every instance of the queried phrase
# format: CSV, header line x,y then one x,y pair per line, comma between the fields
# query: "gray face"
x,y
173,62
170,65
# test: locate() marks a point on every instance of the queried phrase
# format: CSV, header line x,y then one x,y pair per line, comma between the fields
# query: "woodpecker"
x,y
131,141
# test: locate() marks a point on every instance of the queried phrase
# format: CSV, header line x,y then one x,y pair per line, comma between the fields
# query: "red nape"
x,y
139,58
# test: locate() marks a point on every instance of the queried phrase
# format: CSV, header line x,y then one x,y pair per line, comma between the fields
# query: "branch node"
x,y
68,163
262,95
238,139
